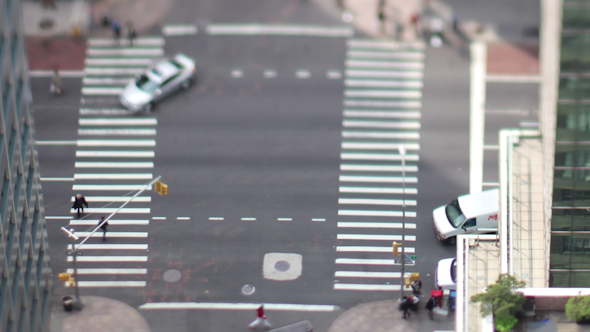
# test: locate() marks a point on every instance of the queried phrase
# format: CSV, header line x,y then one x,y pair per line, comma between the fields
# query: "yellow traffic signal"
x,y
158,186
407,282
396,248
415,276
164,190
64,276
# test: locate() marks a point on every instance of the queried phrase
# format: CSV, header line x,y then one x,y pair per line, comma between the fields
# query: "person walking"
x,y
261,319
381,17
116,26
79,203
55,86
416,286
405,306
131,34
103,225
430,307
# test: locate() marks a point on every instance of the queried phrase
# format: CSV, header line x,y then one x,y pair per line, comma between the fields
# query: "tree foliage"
x,y
501,301
578,308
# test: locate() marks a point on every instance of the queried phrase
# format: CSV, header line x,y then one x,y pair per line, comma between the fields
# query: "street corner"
x,y
143,14
505,58
380,316
63,53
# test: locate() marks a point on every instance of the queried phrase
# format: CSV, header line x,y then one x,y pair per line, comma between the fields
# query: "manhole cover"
x,y
282,266
46,23
172,275
248,289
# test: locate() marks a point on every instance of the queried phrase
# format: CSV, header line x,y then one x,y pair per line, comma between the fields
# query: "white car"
x,y
446,274
158,81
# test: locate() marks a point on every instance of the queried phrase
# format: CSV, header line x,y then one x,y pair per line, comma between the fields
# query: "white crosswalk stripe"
x,y
381,116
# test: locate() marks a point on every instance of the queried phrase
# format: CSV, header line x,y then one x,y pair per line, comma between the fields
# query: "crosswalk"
x,y
382,103
114,157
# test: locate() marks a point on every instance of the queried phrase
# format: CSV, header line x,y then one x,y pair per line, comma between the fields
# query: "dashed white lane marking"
x,y
115,234
334,75
138,199
382,93
141,62
215,218
383,84
104,246
183,218
270,73
105,284
378,146
380,135
112,176
179,30
247,219
62,73
369,201
377,190
101,91
85,259
148,52
158,218
140,41
385,55
367,287
118,122
87,271
303,74
125,222
104,111
284,219
80,164
377,168
116,154
384,64
382,114
364,261
239,306
113,71
384,45
383,74
57,179
388,249
381,124
117,132
111,210
396,225
58,217
275,29
318,219
367,213
379,179
372,237
377,156
105,81
237,73
382,103
366,274
105,142
118,187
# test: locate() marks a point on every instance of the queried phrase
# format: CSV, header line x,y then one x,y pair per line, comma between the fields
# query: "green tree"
x,y
502,301
578,308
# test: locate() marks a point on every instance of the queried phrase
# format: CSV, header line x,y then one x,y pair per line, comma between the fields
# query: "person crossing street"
x,y
103,225
261,319
79,203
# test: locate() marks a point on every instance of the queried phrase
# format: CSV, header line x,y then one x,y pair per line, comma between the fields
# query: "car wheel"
x,y
451,240
186,84
149,107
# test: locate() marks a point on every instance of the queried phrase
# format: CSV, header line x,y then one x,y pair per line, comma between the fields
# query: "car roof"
x,y
479,204
162,70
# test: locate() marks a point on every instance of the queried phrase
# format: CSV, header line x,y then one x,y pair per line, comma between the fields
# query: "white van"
x,y
468,214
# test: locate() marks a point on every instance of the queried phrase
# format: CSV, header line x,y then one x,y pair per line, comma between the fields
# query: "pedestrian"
x,y
79,203
103,225
430,307
106,21
55,86
381,17
405,307
415,22
131,34
416,286
261,319
116,26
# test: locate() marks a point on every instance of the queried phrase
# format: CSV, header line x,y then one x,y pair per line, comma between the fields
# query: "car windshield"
x,y
145,84
454,270
454,214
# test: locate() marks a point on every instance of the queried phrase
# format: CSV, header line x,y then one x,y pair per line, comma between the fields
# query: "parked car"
x,y
157,82
446,274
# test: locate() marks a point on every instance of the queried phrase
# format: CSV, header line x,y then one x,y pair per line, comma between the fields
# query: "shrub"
x,y
501,301
578,308
505,323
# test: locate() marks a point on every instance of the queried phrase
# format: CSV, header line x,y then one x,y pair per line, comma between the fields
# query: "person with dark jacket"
x,y
430,306
79,204
103,225
405,306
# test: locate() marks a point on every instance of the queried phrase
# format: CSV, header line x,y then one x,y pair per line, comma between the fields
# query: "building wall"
x,y
25,278
570,223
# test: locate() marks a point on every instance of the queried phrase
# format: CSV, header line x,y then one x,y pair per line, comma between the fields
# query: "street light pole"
x,y
74,253
402,152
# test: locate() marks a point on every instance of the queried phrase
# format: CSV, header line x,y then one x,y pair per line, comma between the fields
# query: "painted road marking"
x,y
158,218
140,41
104,111
284,219
381,124
123,187
247,219
239,306
377,156
383,74
383,84
118,122
138,199
110,246
382,104
382,93
377,168
119,62
58,217
90,222
275,29
364,261
303,74
112,176
380,179
183,218
215,218
382,114
103,284
369,213
80,164
117,132
380,134
334,74
384,64
57,179
50,73
116,154
377,190
85,259
101,91
148,52
237,73
513,78
385,55
388,249
384,45
111,210
109,271
369,201
372,237
396,225
130,142
367,287
378,146
115,234
179,30
113,71
106,81
366,274
318,219
270,73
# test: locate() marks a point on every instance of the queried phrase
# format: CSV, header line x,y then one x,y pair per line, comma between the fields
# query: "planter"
x,y
583,321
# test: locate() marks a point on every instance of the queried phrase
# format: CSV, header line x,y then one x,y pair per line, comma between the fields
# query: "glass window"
x,y
145,84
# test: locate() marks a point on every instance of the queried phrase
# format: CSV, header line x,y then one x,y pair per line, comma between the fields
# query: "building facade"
x,y
25,279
